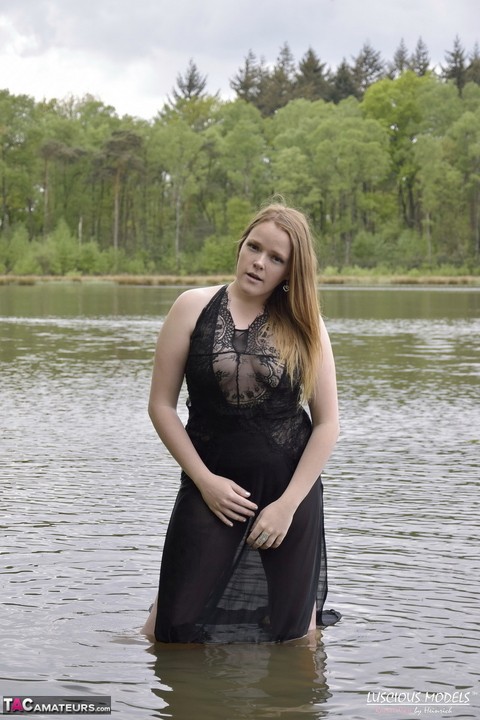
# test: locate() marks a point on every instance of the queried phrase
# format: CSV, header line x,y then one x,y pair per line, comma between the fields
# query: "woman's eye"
x,y
277,259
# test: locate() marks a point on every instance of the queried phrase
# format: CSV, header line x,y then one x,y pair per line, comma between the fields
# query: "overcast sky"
x,y
129,54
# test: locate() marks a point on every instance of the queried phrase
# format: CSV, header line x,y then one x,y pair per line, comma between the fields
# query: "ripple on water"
x,y
87,491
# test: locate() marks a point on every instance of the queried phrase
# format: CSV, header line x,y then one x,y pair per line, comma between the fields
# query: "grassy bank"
x,y
365,279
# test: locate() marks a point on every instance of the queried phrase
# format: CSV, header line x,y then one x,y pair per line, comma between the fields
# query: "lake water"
x,y
86,492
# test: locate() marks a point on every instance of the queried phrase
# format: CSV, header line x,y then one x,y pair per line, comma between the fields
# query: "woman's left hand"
x,y
271,526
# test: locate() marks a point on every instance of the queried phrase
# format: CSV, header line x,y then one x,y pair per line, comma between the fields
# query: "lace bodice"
x,y
236,380
245,362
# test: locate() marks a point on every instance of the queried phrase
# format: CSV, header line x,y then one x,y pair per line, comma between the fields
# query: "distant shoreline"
x,y
200,280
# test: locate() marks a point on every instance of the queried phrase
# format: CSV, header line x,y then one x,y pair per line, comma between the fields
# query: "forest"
x,y
383,156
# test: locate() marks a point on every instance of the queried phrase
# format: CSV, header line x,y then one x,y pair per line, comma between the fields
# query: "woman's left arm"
x,y
275,519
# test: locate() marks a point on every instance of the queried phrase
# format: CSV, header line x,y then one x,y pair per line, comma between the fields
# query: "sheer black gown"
x,y
246,423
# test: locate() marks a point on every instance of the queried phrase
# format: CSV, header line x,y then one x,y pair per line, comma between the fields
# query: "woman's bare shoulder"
x,y
197,298
190,303
200,292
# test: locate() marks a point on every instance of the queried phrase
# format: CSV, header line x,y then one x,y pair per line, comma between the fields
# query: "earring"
x,y
285,286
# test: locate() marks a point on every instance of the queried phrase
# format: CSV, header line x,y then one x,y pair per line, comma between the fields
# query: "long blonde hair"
x,y
294,316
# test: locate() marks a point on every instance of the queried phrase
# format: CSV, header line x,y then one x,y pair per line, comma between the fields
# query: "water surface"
x,y
86,492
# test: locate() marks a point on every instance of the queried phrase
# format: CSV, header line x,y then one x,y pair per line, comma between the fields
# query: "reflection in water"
x,y
86,492
232,682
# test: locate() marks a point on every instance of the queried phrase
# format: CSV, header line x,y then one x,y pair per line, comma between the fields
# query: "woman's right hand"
x,y
227,500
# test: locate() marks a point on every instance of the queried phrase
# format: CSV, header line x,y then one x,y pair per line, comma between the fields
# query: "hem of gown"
x,y
328,617
221,634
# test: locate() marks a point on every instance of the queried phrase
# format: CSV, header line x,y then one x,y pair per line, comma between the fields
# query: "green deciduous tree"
x,y
243,150
178,150
120,162
350,162
292,159
440,200
396,105
465,155
19,139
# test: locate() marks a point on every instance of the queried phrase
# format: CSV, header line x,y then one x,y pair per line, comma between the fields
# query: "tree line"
x,y
269,88
383,157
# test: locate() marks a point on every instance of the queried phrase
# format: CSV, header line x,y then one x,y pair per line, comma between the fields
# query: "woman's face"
x,y
264,259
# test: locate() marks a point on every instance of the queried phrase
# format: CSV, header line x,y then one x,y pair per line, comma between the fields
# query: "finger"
x,y
244,503
239,509
227,514
236,516
244,494
261,540
254,534
242,506
240,490
223,518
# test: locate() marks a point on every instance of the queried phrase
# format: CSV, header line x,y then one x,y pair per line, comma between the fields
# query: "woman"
x,y
244,555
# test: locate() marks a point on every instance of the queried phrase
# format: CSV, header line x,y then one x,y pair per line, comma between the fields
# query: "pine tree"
x,y
191,85
190,102
246,83
277,87
343,84
455,69
472,73
400,62
368,67
311,80
420,60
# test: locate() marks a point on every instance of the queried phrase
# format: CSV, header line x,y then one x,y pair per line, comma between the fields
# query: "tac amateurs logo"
x,y
56,705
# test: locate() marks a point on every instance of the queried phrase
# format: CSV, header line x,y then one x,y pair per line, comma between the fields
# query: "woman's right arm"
x,y
227,500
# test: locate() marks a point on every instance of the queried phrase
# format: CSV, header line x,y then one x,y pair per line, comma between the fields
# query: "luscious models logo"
x,y
418,703
412,697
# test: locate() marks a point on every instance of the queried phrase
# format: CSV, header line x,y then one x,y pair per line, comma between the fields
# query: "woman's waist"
x,y
250,438
236,415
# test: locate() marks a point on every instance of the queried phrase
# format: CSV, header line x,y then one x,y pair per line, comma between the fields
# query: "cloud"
x,y
124,30
112,29
129,54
